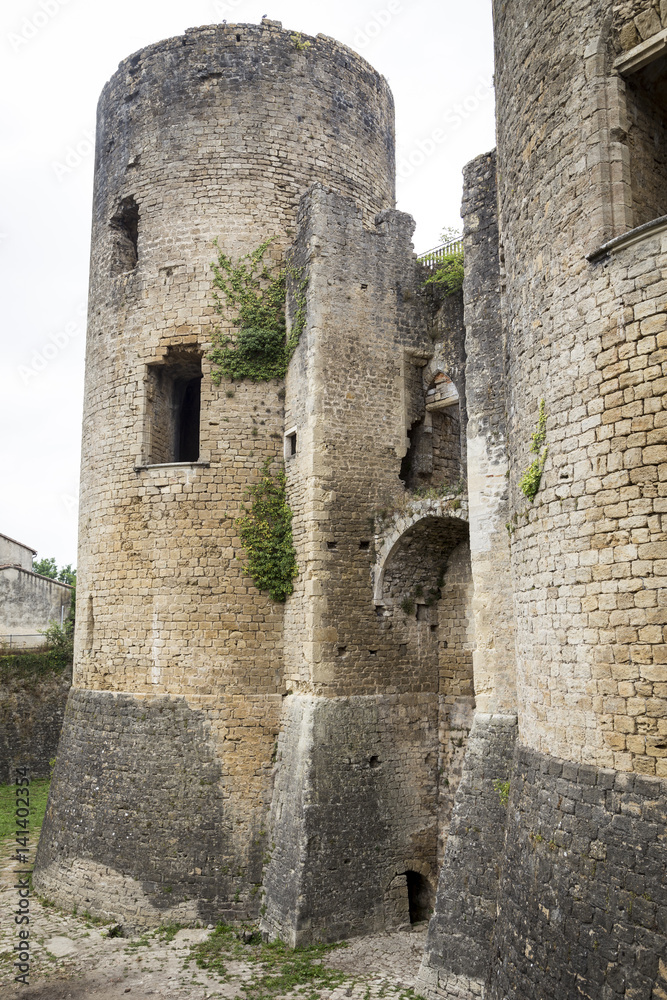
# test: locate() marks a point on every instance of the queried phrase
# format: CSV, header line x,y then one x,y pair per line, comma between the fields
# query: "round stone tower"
x,y
162,784
581,189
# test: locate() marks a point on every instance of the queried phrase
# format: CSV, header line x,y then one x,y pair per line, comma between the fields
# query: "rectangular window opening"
x,y
646,95
290,444
174,409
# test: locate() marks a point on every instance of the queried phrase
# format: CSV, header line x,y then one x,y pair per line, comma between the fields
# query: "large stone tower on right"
x,y
566,248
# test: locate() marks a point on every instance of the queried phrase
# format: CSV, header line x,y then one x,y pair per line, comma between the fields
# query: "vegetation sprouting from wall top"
x,y
255,293
448,275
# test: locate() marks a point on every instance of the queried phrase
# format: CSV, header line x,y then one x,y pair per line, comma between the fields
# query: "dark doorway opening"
x,y
187,420
420,897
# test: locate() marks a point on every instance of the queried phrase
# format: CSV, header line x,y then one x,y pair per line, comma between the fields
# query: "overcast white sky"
x,y
55,57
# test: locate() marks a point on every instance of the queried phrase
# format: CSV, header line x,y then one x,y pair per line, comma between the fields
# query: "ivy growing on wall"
x,y
266,534
529,483
255,293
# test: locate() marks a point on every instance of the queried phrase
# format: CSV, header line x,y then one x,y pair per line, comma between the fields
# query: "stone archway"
x,y
423,597
395,527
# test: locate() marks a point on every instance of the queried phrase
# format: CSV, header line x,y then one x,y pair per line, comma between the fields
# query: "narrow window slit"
x,y
125,234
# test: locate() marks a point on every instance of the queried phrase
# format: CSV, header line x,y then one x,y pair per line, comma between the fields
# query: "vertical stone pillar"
x,y
456,957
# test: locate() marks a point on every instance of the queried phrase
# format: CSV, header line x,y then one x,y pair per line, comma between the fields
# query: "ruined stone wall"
x,y
215,134
32,708
366,661
456,956
487,444
353,811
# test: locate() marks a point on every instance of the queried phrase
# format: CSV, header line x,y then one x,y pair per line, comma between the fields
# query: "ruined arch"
x,y
397,528
424,597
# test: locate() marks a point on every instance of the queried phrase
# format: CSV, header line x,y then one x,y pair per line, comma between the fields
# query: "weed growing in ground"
x,y
276,969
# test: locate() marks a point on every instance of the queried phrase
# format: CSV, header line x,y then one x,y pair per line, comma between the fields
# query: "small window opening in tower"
x,y
647,139
290,444
173,414
406,463
125,231
420,897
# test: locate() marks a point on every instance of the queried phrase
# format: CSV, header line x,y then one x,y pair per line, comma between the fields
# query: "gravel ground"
x,y
73,959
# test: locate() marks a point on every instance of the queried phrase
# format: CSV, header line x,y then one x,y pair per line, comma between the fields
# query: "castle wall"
x,y
582,896
366,669
215,134
456,956
635,21
28,603
584,333
586,338
32,708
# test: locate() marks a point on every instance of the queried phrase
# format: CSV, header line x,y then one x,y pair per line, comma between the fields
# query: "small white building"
x,y
28,601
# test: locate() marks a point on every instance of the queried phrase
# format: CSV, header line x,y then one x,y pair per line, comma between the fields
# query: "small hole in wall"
x,y
238,38
444,644
364,286
434,628
374,762
346,861
372,652
422,613
332,545
341,650
364,545
403,649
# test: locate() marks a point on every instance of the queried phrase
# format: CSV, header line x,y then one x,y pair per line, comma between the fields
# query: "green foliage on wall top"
x,y
448,275
255,293
266,534
529,483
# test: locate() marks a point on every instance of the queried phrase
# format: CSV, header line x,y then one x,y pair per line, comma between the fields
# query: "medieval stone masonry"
x,y
460,712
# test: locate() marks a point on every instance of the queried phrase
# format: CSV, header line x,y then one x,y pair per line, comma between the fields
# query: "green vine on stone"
x,y
503,790
529,483
266,535
256,294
